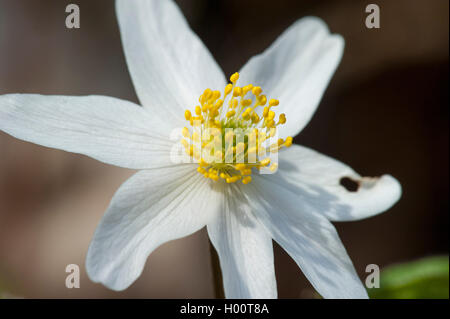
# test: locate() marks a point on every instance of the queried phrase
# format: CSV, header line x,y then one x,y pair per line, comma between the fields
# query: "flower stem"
x,y
217,274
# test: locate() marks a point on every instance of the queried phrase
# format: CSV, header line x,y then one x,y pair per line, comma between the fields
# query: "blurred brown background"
x,y
385,111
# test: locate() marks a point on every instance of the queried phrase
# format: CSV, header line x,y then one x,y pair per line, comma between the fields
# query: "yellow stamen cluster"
x,y
236,128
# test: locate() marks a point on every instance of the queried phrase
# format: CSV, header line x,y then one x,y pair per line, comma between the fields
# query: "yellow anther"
x,y
228,89
214,177
271,115
274,167
234,77
201,170
247,88
213,112
231,113
240,166
246,116
237,91
270,123
262,100
255,118
198,120
273,102
185,132
187,115
247,171
266,111
288,142
198,110
233,179
207,93
219,103
216,94
265,162
203,163
282,119
246,102
246,179
256,90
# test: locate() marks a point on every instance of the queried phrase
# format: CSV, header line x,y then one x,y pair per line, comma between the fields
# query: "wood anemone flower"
x,y
243,210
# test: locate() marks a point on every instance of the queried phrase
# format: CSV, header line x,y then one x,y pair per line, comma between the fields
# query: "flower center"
x,y
230,136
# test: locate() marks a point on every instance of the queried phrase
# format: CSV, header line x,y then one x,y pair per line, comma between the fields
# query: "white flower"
x,y
170,69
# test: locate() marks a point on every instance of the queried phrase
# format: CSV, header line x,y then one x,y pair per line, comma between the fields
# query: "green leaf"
x,y
427,278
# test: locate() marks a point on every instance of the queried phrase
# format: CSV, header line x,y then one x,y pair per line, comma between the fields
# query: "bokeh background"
x,y
385,111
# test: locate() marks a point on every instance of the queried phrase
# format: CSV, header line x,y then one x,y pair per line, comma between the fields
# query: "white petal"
x,y
315,178
296,70
309,238
244,248
151,208
108,129
169,65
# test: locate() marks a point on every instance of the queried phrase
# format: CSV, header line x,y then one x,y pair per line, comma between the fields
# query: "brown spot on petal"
x,y
349,184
